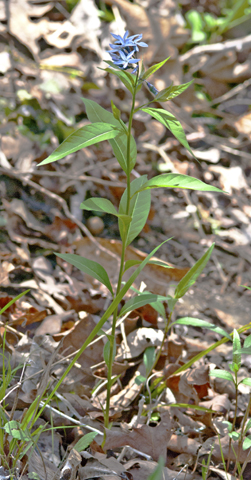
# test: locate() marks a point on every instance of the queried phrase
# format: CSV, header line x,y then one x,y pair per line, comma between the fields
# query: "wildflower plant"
x,y
135,202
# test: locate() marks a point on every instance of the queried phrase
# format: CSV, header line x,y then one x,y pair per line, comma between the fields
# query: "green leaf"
x,y
139,209
190,278
246,381
140,379
158,305
97,204
171,92
13,301
246,443
236,347
234,435
196,322
89,267
130,76
157,474
222,374
106,352
177,180
116,112
14,429
83,137
85,441
121,74
96,113
139,301
149,359
247,342
153,69
194,19
132,263
171,123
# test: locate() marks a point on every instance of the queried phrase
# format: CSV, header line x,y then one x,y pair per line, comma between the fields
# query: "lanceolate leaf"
x,y
153,69
171,123
89,267
171,92
103,205
222,374
189,279
95,114
85,441
83,137
139,209
177,180
139,301
132,263
196,322
123,77
236,347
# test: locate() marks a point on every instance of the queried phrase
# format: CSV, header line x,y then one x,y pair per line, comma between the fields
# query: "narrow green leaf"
x,y
196,322
83,137
153,69
130,76
132,263
96,113
139,209
115,110
13,301
97,204
222,374
106,352
190,278
89,267
149,359
236,347
171,123
139,301
122,76
171,92
177,180
157,474
85,441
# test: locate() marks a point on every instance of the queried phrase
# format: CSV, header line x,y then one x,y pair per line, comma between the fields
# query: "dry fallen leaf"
x,y
150,440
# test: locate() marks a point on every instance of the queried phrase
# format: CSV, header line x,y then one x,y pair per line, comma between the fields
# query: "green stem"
x,y
122,261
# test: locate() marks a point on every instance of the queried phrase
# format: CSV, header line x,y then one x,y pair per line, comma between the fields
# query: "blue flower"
x,y
124,42
124,60
123,50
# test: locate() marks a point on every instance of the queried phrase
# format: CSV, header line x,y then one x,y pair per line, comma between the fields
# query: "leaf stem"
x,y
122,261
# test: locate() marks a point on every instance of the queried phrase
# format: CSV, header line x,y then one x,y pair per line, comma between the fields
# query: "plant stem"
x,y
122,261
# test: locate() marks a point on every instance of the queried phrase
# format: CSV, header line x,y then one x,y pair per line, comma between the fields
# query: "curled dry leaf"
x,y
193,383
150,440
138,341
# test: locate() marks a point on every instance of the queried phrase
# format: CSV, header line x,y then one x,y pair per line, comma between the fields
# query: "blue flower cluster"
x,y
124,49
